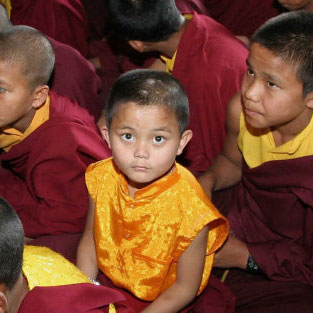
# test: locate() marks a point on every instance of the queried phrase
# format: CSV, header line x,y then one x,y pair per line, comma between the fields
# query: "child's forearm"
x,y
172,300
87,259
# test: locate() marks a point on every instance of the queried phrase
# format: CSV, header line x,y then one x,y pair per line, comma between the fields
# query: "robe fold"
x,y
215,298
63,20
241,17
271,209
76,298
75,78
43,176
272,212
210,63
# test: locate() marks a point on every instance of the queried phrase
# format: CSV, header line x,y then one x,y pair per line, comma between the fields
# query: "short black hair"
x,y
11,244
144,20
149,87
289,36
29,48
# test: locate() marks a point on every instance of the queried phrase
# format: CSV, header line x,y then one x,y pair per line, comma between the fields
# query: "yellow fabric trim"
x,y
8,6
112,308
44,267
169,63
12,136
258,146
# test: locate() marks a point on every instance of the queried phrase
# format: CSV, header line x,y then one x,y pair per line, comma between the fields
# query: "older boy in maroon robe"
x,y
46,140
266,164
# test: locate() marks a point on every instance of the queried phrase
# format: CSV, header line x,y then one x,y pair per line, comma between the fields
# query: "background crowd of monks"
x,y
90,57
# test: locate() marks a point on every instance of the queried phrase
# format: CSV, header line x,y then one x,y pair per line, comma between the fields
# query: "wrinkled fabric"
x,y
43,176
139,240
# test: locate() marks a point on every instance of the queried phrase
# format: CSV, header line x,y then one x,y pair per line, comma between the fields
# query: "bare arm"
x,y
86,252
189,275
225,170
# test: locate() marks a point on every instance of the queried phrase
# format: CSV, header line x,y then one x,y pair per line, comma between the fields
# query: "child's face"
x,y
145,141
297,4
272,96
15,98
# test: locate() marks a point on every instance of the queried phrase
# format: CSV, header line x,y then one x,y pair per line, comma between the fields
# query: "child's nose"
x,y
253,91
141,150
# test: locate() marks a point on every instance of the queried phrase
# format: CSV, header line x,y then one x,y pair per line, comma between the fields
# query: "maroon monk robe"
x,y
75,78
215,298
63,20
76,298
271,210
241,17
192,6
210,63
43,176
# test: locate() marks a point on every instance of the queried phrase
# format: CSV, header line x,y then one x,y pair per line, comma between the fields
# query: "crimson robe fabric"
x,y
43,177
215,298
63,20
271,210
210,63
241,17
76,298
75,78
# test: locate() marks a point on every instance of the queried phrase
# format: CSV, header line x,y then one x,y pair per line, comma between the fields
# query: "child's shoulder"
x,y
189,183
105,166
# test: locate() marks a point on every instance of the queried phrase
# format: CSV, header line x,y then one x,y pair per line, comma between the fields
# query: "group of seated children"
x,y
151,234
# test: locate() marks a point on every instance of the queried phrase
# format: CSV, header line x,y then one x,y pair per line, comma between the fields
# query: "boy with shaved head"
x,y
46,140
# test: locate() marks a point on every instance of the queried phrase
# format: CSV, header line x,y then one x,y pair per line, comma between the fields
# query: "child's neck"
x,y
288,132
169,47
17,294
134,186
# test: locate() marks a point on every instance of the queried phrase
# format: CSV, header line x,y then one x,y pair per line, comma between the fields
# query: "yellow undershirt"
x,y
11,136
258,146
8,6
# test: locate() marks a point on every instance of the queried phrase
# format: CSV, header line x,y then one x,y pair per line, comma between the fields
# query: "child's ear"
x,y
105,134
3,302
184,139
309,100
40,95
138,45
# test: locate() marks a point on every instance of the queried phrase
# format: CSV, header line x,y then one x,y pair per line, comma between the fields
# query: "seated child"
x,y
46,140
267,158
150,227
29,280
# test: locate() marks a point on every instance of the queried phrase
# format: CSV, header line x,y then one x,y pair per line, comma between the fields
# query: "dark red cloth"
x,y
271,210
63,20
210,63
43,176
76,78
77,298
241,17
198,6
215,298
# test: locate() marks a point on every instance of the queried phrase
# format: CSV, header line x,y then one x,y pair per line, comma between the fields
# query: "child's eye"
x,y
158,139
128,137
250,72
271,84
2,90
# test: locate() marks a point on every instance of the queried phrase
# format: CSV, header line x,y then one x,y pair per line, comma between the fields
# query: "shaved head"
x,y
31,50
